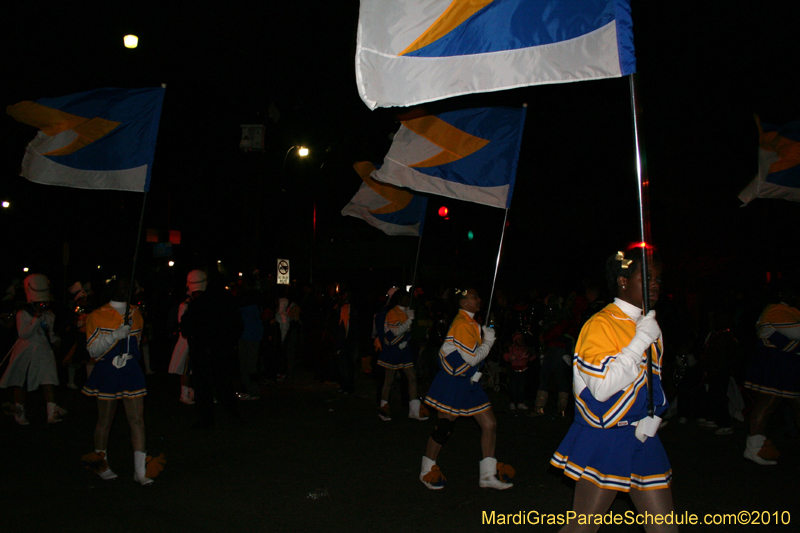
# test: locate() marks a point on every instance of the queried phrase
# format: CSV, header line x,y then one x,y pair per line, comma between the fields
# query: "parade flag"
x,y
778,164
469,154
100,139
412,51
392,210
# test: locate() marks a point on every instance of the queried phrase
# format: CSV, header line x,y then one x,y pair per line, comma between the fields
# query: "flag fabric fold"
x,y
100,139
410,51
386,207
468,154
778,164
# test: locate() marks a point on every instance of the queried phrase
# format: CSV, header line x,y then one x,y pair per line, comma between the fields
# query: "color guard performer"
x,y
774,372
117,375
456,392
612,445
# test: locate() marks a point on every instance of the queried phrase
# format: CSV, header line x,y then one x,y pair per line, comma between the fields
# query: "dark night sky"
x,y
703,74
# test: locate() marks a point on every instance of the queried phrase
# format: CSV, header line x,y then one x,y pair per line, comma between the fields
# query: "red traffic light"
x,y
443,211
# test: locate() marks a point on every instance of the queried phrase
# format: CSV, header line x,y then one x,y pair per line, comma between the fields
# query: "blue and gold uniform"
x,y
775,366
610,398
395,352
452,390
107,382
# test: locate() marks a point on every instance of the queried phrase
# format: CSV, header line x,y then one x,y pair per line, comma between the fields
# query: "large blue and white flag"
x,y
392,210
469,154
778,164
414,51
100,139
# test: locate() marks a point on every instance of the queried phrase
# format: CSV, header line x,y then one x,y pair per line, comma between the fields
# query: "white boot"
x,y
139,468
488,478
106,474
430,475
185,396
414,410
754,445
54,413
19,415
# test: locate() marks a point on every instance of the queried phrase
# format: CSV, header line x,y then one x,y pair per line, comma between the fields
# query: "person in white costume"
x,y
32,362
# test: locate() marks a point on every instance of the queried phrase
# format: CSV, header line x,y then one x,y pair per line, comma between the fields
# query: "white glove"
x,y
647,332
121,360
488,334
121,332
647,427
648,327
410,314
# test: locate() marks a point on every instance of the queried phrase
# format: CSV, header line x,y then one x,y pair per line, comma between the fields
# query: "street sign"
x,y
283,271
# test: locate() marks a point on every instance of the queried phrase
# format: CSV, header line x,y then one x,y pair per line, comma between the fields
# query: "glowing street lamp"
x,y
131,41
302,151
6,204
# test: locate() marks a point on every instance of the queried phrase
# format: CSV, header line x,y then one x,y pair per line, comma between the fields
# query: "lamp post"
x,y
301,151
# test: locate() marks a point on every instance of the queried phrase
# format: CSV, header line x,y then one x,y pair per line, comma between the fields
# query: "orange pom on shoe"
x,y
155,465
505,472
435,477
95,461
768,451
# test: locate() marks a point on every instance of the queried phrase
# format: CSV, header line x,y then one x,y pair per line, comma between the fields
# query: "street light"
x,y
131,41
302,151
6,204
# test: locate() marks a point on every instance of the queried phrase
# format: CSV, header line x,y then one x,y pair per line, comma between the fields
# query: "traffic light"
x,y
443,212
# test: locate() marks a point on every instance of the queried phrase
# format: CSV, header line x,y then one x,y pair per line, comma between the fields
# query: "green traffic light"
x,y
470,235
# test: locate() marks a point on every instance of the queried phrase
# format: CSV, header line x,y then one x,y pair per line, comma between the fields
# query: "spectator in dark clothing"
x,y
249,303
212,325
558,341
721,354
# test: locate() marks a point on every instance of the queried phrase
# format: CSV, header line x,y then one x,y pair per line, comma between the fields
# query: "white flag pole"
x,y
643,192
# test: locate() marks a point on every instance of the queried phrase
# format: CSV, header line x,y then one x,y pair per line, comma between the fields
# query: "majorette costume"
x,y
452,390
610,387
117,373
775,367
395,352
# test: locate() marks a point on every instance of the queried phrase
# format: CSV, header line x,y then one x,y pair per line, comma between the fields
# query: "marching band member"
x,y
612,445
456,392
32,361
117,375
396,355
774,371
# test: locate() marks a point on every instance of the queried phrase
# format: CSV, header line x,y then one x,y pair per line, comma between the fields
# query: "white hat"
x,y
196,280
37,288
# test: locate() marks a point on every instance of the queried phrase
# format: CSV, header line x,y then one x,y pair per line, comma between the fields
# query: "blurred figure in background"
x,y
32,361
